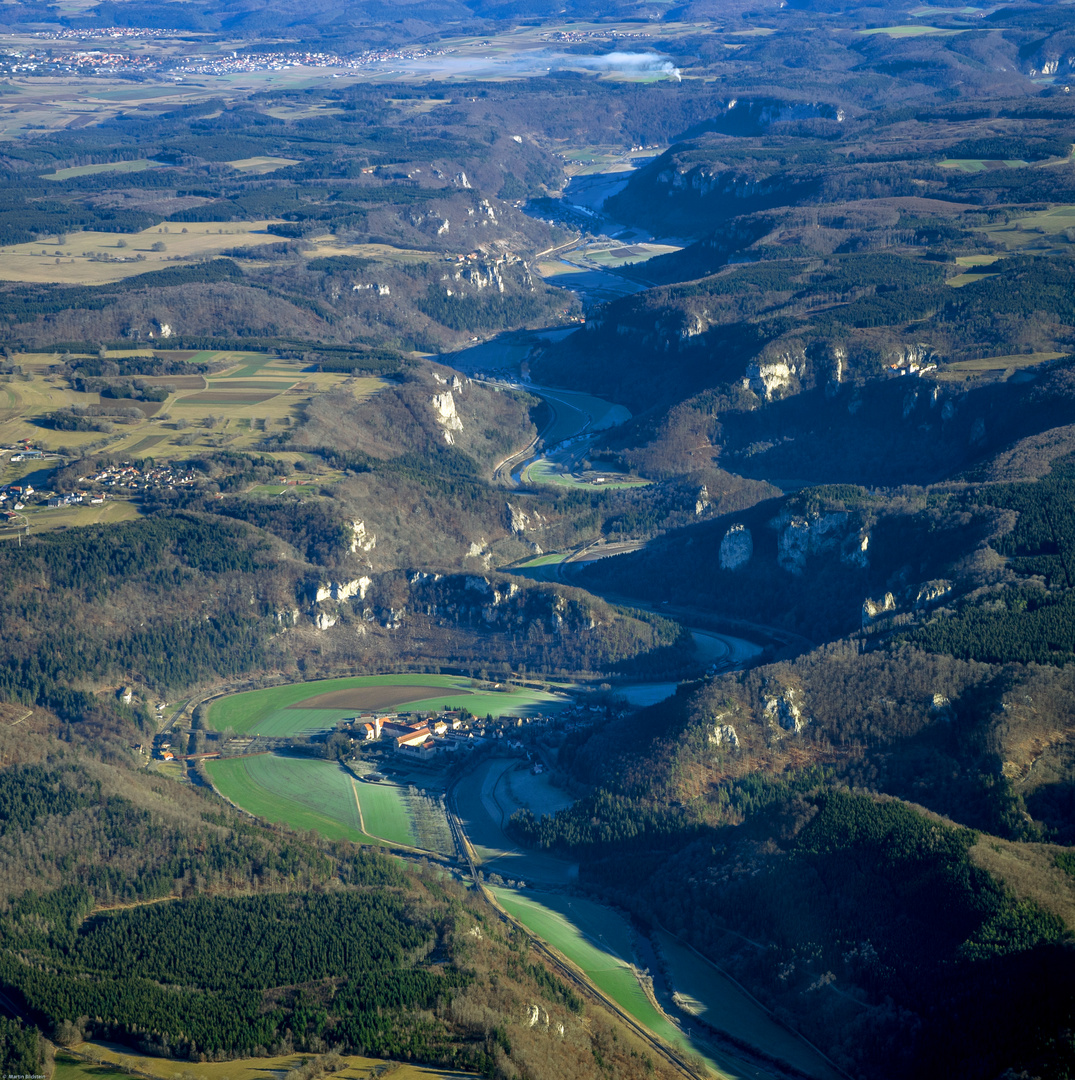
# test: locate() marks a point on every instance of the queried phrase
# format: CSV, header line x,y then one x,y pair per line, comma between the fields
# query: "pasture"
x,y
259,166
287,710
386,813
111,1062
311,793
536,793
134,165
98,258
1014,362
302,793
544,471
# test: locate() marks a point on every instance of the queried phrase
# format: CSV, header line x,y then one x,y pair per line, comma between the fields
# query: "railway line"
x,y
563,967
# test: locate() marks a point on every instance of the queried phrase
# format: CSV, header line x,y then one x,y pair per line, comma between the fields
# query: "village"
x,y
110,482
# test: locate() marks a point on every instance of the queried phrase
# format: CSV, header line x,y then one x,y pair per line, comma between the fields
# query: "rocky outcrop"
x,y
799,537
786,709
777,375
930,592
736,548
724,735
855,551
874,611
323,620
340,590
520,521
446,415
361,540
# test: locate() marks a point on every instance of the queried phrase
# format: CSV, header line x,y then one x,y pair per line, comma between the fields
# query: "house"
x,y
368,732
440,727
167,755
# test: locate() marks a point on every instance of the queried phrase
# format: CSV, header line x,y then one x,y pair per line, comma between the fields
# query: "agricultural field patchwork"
x,y
233,408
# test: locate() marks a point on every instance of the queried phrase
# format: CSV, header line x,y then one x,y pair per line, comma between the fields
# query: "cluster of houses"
x,y
125,475
447,732
419,738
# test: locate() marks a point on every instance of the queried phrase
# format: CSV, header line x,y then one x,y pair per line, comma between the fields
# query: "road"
x,y
565,969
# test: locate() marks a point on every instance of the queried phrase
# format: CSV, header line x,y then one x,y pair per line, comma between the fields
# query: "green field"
x,y
544,471
909,31
136,165
268,712
385,813
310,793
598,941
303,793
116,1061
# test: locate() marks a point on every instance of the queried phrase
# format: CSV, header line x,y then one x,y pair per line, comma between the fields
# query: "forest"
x,y
850,377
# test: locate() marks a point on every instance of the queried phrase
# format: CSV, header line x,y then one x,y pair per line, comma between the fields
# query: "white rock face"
x,y
802,536
786,709
772,377
873,610
701,504
322,592
930,592
166,330
517,519
446,415
344,590
360,539
445,225
736,548
724,735
323,621
856,551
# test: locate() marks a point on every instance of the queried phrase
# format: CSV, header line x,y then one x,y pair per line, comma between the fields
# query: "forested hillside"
x,y
717,351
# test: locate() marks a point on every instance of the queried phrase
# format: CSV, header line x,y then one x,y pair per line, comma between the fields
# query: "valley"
x,y
537,545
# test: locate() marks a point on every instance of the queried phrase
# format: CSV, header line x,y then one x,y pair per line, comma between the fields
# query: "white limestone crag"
x,y
724,735
786,708
776,375
875,610
444,411
737,547
855,551
799,537
930,592
361,540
